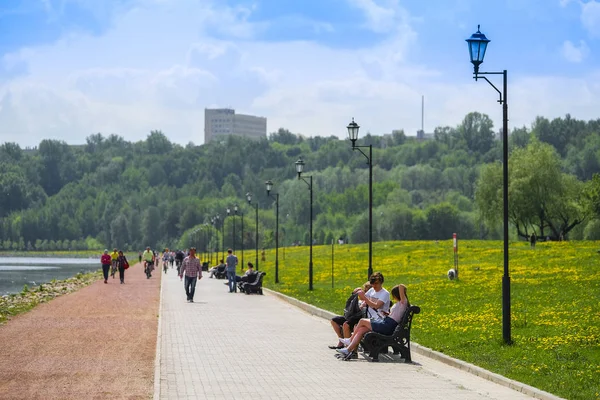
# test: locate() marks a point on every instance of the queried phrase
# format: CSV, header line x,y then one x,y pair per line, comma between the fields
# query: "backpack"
x,y
352,311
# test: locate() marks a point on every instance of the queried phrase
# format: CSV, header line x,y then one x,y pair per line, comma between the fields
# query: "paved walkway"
x,y
227,346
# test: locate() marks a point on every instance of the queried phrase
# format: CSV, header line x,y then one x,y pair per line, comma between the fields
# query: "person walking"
x,y
123,264
231,263
533,240
192,268
140,256
105,260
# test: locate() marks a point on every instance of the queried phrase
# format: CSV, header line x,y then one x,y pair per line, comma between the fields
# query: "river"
x,y
31,271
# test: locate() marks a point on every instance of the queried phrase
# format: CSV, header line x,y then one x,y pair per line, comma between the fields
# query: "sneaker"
x,y
345,341
191,301
343,351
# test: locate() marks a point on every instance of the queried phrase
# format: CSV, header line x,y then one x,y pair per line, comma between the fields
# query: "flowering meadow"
x,y
555,300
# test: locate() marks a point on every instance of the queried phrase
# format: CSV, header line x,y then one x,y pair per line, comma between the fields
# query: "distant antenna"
x,y
423,113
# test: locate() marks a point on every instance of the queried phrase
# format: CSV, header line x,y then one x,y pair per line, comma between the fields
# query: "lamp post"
x,y
235,211
269,185
222,222
228,211
477,47
353,128
249,198
242,216
299,169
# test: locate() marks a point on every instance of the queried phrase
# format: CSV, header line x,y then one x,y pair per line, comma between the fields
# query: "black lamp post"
x,y
477,47
242,217
222,222
249,198
353,128
299,170
269,185
235,211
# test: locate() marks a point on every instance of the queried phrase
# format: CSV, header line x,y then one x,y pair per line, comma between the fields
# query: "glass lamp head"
x,y
477,46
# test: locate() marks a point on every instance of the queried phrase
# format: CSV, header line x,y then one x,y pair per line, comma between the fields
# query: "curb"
x,y
158,346
435,355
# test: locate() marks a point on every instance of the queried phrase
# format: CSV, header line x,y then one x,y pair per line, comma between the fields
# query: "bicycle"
x,y
113,268
165,265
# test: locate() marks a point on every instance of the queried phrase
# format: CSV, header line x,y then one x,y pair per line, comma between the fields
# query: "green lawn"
x,y
555,302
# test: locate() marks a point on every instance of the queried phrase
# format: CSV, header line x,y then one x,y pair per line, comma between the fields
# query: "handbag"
x,y
126,265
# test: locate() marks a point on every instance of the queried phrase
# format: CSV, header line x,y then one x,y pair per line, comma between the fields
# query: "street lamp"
x,y
269,185
477,47
299,169
235,211
242,217
249,198
222,222
353,128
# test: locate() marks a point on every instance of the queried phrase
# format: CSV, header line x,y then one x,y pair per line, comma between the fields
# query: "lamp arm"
x,y
491,84
307,184
363,153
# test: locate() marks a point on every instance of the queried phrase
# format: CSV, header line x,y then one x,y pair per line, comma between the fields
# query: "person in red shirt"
x,y
106,261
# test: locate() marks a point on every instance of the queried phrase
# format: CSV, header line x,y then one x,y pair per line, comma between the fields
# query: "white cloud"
x,y
590,17
159,65
573,53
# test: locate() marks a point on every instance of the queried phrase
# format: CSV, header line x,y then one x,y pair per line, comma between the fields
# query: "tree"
x,y
541,197
476,132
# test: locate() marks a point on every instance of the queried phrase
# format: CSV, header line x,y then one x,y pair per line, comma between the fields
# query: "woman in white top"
x,y
384,326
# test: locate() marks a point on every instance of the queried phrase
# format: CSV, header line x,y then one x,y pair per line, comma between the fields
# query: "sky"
x,y
72,68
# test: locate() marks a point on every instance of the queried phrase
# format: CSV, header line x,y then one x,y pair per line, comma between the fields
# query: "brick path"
x,y
96,343
227,346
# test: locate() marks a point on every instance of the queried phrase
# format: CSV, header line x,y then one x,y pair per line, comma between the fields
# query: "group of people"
x,y
376,315
116,261
229,266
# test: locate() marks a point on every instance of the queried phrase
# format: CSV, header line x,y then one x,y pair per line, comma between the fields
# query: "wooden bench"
x,y
255,286
376,343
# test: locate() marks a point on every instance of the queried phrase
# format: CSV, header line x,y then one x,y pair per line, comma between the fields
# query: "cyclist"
x,y
114,256
165,259
148,258
179,256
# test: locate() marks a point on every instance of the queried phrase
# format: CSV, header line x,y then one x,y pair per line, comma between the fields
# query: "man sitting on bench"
x,y
214,270
383,326
342,326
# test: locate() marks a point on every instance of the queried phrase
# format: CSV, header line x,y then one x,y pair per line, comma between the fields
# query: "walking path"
x,y
228,346
96,343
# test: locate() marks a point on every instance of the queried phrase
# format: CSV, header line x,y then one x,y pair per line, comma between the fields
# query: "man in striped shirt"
x,y
192,268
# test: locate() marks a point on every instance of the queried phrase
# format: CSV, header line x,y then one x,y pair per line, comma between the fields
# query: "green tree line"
x,y
113,193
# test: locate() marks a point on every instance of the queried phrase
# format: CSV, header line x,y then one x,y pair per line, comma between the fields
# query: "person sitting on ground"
x,y
248,275
384,326
343,327
216,268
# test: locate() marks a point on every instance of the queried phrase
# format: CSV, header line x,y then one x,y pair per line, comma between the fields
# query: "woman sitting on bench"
x,y
215,269
250,274
384,326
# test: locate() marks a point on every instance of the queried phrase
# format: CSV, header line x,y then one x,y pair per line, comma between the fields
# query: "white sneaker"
x,y
345,341
343,351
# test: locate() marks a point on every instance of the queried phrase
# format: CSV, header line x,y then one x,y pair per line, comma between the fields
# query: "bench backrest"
x,y
403,328
257,279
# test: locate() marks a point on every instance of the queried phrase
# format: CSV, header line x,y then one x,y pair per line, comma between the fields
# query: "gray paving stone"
x,y
230,346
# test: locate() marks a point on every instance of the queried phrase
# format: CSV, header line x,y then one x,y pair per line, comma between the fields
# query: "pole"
x,y
256,236
277,238
370,272
242,215
506,278
223,239
332,249
233,232
310,262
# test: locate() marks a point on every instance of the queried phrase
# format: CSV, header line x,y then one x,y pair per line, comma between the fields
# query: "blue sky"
x,y
70,68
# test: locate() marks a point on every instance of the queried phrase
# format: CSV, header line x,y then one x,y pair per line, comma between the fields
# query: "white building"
x,y
221,122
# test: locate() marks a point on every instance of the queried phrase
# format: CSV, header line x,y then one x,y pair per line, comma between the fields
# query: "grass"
x,y
555,302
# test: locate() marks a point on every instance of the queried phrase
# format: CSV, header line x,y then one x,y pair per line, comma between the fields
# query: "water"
x,y
31,271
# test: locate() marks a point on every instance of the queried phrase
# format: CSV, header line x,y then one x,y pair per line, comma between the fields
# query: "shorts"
x,y
341,320
384,326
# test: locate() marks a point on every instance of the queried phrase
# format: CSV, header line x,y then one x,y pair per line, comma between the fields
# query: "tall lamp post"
x,y
235,211
477,47
222,222
299,170
249,198
242,217
269,185
353,128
